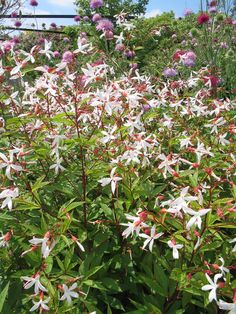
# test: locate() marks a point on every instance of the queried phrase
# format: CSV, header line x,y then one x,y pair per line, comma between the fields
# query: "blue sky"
x,y
67,7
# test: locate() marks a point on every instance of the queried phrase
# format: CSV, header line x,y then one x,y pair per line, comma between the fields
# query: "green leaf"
x,y
26,205
94,284
3,296
211,246
67,207
93,271
111,284
39,184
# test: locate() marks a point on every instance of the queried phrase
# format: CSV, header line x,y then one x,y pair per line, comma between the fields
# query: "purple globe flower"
x,y
94,4
53,25
77,18
83,41
120,47
41,40
96,17
190,55
15,40
33,3
133,66
104,25
109,35
223,45
83,34
170,72
17,23
7,46
146,108
212,10
56,54
130,54
67,56
189,63
14,15
188,12
86,18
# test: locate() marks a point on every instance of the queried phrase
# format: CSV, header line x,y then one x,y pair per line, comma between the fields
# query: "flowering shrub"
x,y
117,189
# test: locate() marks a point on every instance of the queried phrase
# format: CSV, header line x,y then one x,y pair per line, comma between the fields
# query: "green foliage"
x,y
113,7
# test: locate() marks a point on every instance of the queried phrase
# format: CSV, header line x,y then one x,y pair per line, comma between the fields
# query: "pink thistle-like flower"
x,y
95,4
104,25
203,18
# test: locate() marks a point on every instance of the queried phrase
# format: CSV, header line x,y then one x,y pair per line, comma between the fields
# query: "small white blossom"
x,y
113,180
150,238
196,219
231,307
8,164
212,286
34,281
9,195
41,304
175,248
69,293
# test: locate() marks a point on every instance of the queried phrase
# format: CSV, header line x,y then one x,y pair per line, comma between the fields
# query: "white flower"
x,y
166,163
231,307
57,166
134,226
185,142
47,46
46,245
9,195
113,180
41,305
108,135
196,219
212,286
179,203
222,268
175,248
201,150
74,239
83,48
150,238
34,281
222,139
233,241
69,293
8,164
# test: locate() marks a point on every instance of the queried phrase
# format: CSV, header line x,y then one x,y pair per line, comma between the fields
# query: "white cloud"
x,y
62,3
153,13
